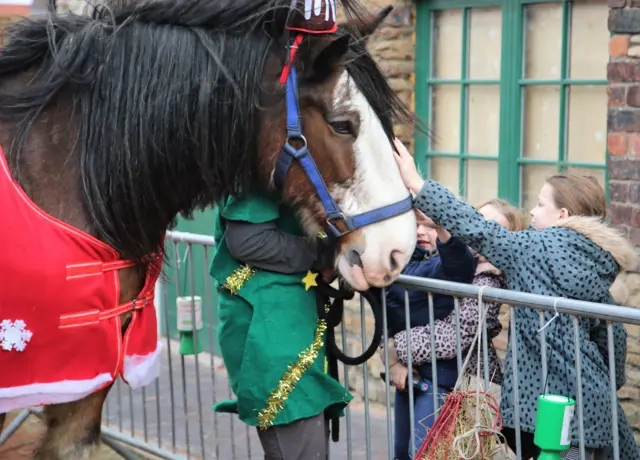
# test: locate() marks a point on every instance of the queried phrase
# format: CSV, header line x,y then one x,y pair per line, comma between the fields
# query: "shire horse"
x,y
114,123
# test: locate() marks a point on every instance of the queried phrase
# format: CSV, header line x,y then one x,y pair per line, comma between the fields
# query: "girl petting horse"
x,y
569,253
113,124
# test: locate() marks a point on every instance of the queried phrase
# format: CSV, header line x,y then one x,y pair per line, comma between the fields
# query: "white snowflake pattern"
x,y
14,335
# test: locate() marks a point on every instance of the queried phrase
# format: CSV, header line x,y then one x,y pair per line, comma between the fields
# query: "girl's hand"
x,y
422,219
391,355
408,171
398,375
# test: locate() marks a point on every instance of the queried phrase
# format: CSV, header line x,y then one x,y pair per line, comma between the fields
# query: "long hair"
x,y
164,99
579,195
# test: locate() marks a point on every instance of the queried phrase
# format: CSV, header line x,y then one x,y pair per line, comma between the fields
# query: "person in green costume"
x,y
271,338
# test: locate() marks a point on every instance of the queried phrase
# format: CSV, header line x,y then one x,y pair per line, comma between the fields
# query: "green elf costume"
x,y
271,338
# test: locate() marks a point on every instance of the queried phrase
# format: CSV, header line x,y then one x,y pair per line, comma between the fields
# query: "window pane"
x,y
485,40
484,119
446,171
445,120
543,41
589,52
597,173
533,178
541,122
587,133
482,181
447,42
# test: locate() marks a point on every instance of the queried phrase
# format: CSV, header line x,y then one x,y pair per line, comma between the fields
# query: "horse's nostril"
x,y
353,257
393,260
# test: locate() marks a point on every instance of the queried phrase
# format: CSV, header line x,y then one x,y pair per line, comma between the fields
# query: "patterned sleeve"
x,y
504,249
445,329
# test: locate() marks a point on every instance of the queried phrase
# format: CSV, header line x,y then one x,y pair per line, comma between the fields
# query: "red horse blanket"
x,y
60,327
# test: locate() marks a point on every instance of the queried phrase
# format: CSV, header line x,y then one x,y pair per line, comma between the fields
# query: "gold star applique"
x,y
310,280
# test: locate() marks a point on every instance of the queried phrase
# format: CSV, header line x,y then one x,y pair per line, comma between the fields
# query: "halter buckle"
x,y
335,231
136,303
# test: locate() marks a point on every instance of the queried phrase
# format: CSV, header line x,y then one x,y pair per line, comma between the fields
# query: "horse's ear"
x,y
331,56
365,26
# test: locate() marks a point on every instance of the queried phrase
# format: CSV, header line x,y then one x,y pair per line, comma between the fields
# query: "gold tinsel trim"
x,y
236,280
280,394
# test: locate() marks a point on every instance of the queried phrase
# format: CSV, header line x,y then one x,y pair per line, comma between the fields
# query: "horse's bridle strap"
x,y
289,153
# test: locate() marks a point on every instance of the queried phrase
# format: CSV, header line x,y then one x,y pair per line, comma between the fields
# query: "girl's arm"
x,y
456,261
263,246
445,329
506,250
509,251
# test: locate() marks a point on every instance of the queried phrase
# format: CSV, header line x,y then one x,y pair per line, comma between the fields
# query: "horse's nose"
x,y
354,258
395,265
362,267
395,260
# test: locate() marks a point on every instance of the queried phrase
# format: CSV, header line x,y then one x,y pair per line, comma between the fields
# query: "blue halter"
x,y
289,153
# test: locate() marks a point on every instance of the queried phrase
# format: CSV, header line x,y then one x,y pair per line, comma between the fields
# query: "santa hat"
x,y
317,16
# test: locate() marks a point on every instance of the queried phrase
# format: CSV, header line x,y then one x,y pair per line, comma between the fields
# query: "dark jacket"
x,y
453,262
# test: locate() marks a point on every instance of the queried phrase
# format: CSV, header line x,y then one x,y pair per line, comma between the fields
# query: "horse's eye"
x,y
342,127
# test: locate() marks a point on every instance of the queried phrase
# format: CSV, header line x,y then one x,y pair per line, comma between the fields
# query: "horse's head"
x,y
201,115
346,110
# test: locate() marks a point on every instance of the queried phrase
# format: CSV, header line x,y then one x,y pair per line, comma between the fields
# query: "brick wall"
x,y
623,74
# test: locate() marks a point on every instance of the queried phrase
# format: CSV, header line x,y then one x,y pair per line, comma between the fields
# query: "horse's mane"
x,y
374,86
135,91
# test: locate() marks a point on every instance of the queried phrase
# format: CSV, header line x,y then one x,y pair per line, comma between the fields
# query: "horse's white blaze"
x,y
376,183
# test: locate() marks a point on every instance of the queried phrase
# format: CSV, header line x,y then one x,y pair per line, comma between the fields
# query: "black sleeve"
x,y
264,246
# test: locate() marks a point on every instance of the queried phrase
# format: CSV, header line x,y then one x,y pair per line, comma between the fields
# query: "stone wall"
x,y
623,74
393,47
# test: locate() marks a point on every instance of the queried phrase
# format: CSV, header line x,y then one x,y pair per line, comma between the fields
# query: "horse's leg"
x,y
73,429
2,417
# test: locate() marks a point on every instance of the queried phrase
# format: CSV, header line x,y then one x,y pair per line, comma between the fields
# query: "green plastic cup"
x,y
553,425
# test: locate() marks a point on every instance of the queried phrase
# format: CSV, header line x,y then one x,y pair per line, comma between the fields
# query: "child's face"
x,y
426,237
546,213
490,212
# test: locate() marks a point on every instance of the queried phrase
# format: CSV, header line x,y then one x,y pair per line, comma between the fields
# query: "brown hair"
x,y
515,217
579,195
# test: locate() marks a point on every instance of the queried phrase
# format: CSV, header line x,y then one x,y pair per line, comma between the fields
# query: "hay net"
x,y
469,423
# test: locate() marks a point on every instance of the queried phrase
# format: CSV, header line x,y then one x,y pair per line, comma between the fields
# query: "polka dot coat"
x,y
578,258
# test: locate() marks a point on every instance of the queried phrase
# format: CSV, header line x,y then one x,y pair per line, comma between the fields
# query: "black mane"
x,y
132,75
370,80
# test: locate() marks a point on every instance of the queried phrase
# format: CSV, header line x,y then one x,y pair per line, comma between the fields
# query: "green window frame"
x,y
513,84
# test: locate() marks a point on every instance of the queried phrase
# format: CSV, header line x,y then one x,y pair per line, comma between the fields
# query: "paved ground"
x,y
22,444
205,434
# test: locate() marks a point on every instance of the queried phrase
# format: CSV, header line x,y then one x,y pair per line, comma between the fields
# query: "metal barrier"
x,y
173,419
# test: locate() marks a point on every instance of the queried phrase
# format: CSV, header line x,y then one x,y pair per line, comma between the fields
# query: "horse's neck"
x,y
50,176
48,171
